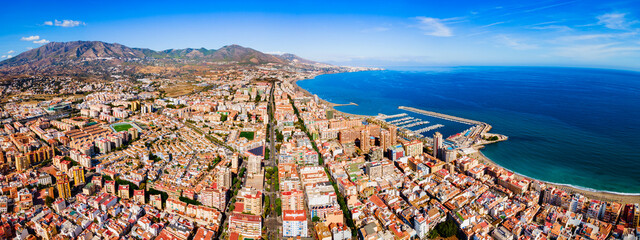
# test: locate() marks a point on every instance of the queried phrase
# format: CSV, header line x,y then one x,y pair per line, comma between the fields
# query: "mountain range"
x,y
61,57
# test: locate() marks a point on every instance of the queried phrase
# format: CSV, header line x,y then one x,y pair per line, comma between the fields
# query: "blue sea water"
x,y
571,126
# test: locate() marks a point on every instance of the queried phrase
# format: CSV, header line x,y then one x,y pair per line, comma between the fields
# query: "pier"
x,y
400,120
384,117
343,104
414,124
429,128
441,116
408,121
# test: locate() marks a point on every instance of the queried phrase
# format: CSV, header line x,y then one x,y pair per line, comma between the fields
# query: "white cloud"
x,y
491,24
548,6
64,23
595,51
11,51
598,36
30,38
514,43
434,27
552,27
41,41
585,37
29,48
615,21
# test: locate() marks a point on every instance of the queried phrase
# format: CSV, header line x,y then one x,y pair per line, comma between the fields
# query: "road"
x,y
271,162
272,221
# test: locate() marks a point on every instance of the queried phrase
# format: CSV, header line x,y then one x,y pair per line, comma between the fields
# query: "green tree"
x,y
279,206
447,229
48,200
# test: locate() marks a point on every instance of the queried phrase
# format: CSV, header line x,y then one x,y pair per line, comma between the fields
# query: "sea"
x,y
573,126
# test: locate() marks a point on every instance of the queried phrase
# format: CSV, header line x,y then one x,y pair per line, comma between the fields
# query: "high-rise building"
x,y
413,148
224,178
234,161
375,154
385,140
213,197
374,170
138,196
292,200
110,186
134,133
449,155
85,161
396,152
294,223
62,182
78,175
437,144
124,192
249,225
329,114
156,201
636,216
22,162
392,133
251,199
364,140
147,108
135,106
254,164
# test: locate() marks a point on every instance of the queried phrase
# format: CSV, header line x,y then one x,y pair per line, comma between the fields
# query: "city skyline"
x,y
387,120
548,33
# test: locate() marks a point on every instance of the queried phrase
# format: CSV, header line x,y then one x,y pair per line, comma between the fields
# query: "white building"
x,y
294,223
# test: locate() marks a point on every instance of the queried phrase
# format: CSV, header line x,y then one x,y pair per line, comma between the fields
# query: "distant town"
x,y
236,151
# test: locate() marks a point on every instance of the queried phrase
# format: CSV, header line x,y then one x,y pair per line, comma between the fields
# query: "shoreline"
x,y
322,101
622,198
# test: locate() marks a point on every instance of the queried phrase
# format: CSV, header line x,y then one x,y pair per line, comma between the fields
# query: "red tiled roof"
x,y
294,215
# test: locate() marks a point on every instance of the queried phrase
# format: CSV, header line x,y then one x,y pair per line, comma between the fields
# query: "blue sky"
x,y
382,33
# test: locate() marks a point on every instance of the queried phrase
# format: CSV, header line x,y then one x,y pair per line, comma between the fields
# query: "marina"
x,y
470,136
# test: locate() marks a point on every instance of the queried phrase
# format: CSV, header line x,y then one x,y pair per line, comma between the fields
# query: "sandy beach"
x,y
599,195
603,196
